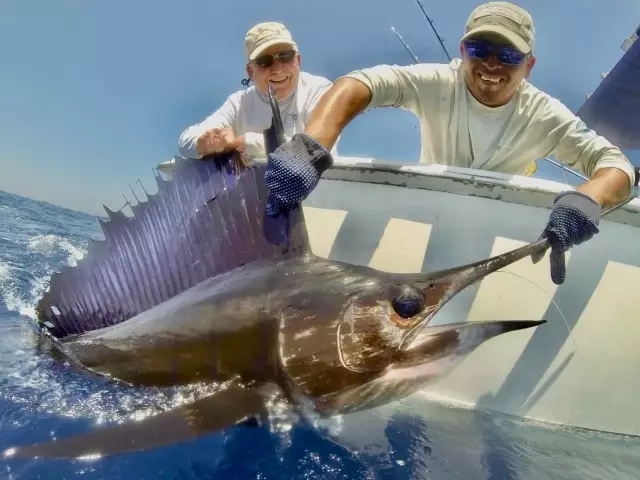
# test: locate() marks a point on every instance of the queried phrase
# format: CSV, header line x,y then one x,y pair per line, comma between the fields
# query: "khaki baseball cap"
x,y
506,20
264,35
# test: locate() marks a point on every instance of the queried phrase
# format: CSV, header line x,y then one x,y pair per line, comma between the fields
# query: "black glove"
x,y
293,171
574,219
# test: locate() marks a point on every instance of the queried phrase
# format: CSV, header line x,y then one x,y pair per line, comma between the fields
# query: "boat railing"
x,y
566,170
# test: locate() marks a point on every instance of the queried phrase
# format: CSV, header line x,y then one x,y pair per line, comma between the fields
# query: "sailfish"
x,y
201,285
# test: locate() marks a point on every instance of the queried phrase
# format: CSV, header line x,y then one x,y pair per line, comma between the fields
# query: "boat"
x,y
578,370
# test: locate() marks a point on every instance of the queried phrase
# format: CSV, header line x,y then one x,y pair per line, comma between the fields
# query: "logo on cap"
x,y
501,11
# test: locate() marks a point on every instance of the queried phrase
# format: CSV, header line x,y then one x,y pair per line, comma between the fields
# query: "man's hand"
x,y
575,215
574,219
218,140
293,171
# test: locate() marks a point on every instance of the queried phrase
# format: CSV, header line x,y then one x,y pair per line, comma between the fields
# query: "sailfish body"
x,y
202,285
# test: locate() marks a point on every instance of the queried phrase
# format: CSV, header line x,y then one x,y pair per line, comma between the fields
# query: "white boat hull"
x,y
580,370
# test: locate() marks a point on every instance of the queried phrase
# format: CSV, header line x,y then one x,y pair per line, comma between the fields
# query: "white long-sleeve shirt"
x,y
458,130
248,112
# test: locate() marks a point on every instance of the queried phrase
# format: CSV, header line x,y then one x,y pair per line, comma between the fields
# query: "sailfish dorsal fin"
x,y
209,219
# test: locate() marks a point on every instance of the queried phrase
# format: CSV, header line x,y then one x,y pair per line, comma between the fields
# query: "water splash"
x,y
10,293
20,289
48,244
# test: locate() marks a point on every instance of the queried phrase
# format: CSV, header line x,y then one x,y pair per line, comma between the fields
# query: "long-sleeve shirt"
x,y
458,130
248,112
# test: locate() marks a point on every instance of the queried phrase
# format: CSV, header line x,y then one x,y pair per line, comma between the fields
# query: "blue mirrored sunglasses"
x,y
481,49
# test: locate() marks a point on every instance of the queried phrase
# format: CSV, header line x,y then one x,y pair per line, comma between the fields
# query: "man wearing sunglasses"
x,y
477,112
272,57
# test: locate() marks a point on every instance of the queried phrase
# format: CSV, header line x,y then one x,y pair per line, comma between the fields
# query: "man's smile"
x,y
490,79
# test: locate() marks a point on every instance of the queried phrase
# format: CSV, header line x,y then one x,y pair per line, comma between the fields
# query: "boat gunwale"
x,y
510,188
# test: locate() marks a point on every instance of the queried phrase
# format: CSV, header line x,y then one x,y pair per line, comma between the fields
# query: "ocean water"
x,y
417,438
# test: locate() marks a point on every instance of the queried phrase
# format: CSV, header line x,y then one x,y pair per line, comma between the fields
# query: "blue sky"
x,y
95,94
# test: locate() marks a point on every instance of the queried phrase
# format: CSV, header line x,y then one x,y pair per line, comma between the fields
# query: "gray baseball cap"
x,y
264,35
506,20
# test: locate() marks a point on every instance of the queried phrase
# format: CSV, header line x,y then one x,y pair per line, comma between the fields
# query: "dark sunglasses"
x,y
267,60
481,49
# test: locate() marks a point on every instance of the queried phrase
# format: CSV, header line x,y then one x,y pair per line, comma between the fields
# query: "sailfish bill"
x,y
200,285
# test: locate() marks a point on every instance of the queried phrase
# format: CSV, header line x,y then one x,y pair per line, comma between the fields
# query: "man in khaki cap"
x,y
272,56
478,112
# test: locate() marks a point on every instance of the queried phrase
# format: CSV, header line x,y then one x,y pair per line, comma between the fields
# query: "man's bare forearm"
x,y
608,187
346,98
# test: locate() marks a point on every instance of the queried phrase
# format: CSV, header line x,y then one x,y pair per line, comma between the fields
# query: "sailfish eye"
x,y
409,302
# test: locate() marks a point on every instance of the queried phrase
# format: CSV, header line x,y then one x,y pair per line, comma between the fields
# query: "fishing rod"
x,y
434,29
415,58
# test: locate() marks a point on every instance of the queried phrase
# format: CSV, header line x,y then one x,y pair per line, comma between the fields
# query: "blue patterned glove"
x,y
573,220
293,171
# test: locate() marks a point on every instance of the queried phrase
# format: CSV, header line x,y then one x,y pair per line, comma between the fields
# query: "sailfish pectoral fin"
x,y
223,409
